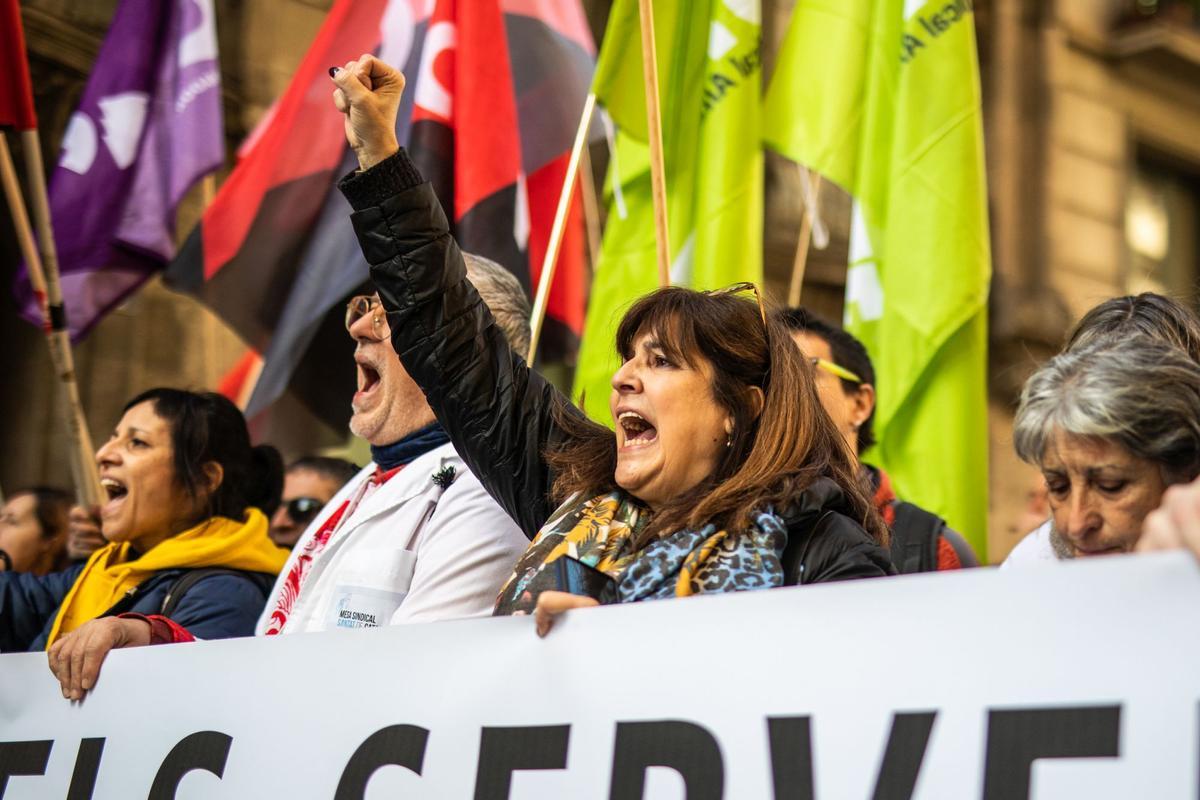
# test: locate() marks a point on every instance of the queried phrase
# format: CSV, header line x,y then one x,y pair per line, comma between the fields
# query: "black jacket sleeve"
x,y
842,551
825,544
498,412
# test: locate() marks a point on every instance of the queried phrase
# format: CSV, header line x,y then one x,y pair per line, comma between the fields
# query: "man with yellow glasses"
x,y
921,541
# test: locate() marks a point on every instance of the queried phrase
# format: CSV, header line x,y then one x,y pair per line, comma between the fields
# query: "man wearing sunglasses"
x,y
921,541
309,483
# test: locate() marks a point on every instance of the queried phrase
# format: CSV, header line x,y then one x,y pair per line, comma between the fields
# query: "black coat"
x,y
499,412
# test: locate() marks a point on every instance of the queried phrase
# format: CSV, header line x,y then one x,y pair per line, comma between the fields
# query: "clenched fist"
x,y
368,94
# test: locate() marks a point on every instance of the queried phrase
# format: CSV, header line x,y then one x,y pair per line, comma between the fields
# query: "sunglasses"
x,y
302,509
361,305
738,288
835,369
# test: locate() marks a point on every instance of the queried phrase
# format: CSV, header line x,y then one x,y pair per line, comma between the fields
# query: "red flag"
x,y
495,90
497,104
16,92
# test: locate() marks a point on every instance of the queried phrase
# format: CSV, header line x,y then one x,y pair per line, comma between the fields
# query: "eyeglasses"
x,y
835,369
303,509
364,304
744,286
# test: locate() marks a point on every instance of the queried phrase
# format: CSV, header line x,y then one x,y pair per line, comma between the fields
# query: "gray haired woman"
x,y
1111,425
1150,314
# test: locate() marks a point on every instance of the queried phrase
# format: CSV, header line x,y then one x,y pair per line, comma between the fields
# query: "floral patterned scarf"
x,y
601,533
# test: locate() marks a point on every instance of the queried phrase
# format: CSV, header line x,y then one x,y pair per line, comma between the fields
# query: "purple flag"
x,y
149,125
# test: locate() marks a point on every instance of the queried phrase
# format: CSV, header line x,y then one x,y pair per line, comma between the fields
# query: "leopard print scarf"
x,y
601,533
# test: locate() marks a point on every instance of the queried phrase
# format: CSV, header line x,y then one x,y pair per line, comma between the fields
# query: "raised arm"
x,y
498,412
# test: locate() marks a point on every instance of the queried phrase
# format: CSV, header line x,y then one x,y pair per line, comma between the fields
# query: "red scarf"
x,y
290,591
885,497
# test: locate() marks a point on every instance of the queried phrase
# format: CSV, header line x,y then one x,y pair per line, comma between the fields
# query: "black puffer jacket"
x,y
498,412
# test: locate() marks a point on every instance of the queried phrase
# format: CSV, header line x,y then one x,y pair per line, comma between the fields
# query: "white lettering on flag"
x,y
720,41
746,10
863,287
521,218
431,95
864,291
913,6
681,267
200,44
396,32
79,144
122,118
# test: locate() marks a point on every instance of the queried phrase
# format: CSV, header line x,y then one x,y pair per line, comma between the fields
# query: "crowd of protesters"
x,y
733,462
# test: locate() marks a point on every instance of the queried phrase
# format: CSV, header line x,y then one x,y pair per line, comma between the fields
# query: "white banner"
x,y
1072,681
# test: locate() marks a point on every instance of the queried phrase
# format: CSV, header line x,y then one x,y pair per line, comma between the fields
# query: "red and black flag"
x,y
495,91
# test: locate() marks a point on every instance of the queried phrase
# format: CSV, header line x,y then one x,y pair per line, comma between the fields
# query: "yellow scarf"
x,y
217,542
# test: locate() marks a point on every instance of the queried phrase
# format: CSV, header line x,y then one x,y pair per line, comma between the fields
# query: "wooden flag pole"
x,y
49,293
591,209
550,260
208,191
800,264
658,178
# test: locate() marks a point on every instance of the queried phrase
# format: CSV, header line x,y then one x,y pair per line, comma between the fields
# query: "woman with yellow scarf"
x,y
184,517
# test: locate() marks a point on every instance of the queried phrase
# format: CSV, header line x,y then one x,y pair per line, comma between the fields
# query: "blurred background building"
x,y
1092,120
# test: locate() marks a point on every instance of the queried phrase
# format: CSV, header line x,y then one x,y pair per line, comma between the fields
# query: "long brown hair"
x,y
772,456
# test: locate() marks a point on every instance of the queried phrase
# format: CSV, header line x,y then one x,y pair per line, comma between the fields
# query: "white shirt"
x,y
1035,548
407,551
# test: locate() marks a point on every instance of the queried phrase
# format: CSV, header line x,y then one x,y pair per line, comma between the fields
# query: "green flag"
x,y
710,84
882,97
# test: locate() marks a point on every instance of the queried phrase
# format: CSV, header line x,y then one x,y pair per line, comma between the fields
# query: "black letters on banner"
x,y
1017,737
792,763
87,765
503,751
205,750
903,755
685,747
401,745
791,757
23,758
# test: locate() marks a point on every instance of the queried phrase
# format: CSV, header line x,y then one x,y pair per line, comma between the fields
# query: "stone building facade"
x,y
1092,119
1092,126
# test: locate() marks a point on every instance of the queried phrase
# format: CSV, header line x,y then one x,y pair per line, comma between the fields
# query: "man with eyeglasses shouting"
x,y
413,537
921,541
309,483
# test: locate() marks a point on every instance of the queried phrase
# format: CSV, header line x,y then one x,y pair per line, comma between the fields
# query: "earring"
x,y
729,440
